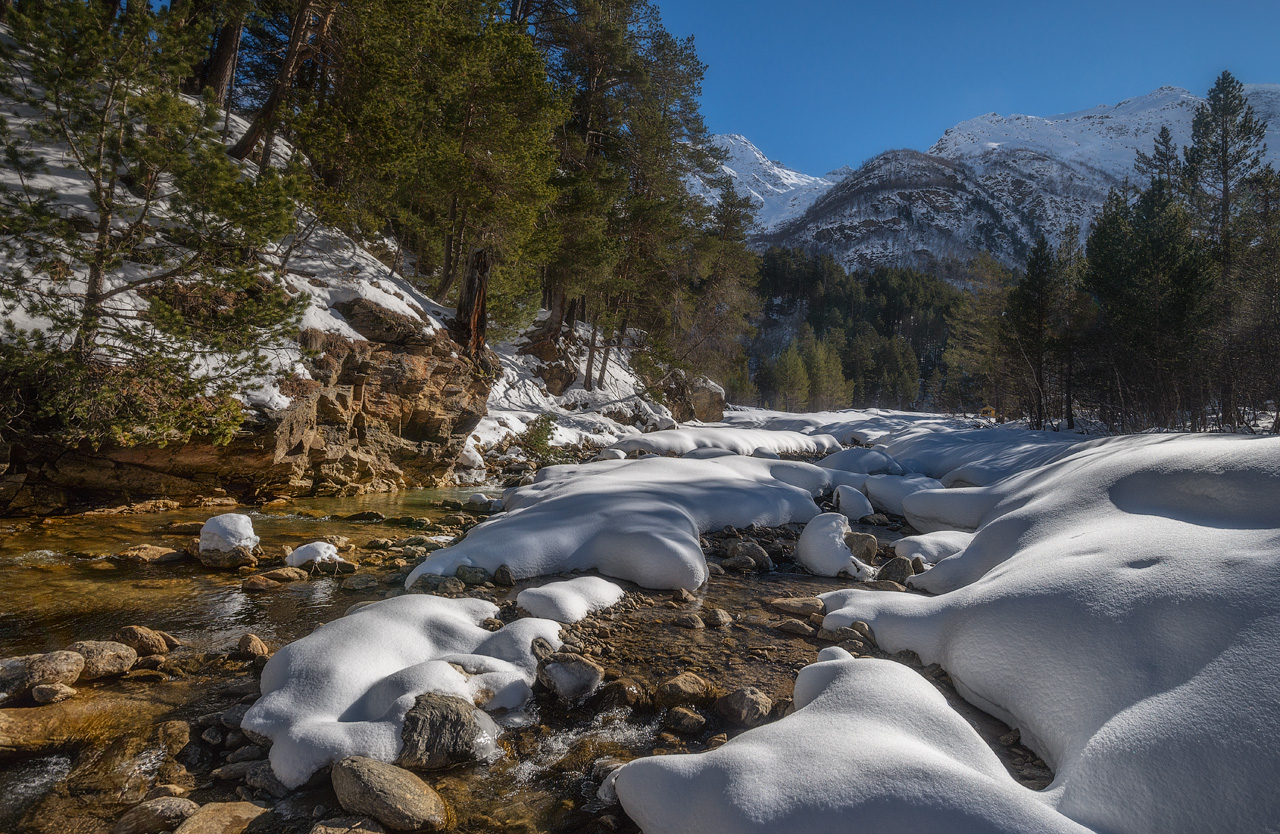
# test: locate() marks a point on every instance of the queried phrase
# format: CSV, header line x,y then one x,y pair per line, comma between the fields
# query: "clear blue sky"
x,y
821,83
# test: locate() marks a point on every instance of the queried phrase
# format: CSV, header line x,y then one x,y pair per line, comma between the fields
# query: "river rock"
x,y
685,689
863,545
623,693
222,818
286,575
752,551
359,582
741,563
104,658
689,620
259,584
798,606
184,528
683,720
19,674
898,569
155,815
348,825
51,693
502,576
143,640
252,646
746,707
570,676
391,795
227,559
797,627
717,618
260,777
441,731
151,554
472,575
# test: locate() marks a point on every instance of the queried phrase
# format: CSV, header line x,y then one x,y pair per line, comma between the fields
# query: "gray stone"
x,y
570,676
143,640
391,795
863,545
683,720
261,777
685,689
19,674
472,575
348,825
359,582
687,620
227,559
918,565
746,707
742,564
51,693
717,618
451,585
502,576
155,815
247,753
222,818
440,731
754,552
898,569
104,658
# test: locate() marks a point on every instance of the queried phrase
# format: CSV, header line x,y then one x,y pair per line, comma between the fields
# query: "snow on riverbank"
x,y
738,441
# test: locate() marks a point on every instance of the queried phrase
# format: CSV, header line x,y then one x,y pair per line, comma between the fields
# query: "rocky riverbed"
x,y
154,743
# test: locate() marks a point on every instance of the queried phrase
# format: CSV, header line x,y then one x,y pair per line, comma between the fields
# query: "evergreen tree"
x,y
1163,163
1027,327
791,380
135,318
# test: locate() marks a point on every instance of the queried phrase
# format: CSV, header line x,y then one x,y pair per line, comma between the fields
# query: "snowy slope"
x,y
779,193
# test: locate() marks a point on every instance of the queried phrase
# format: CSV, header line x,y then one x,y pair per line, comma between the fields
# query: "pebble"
x,y
717,618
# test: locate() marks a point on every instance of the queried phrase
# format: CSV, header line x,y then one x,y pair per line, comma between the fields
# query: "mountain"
x,y
988,184
779,193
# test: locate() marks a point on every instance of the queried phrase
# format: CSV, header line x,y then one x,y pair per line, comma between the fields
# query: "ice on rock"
x,y
932,547
1121,607
319,552
344,689
851,503
738,441
865,461
888,491
871,746
637,520
227,532
823,551
569,600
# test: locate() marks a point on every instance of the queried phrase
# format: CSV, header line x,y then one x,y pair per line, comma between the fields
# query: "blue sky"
x,y
821,83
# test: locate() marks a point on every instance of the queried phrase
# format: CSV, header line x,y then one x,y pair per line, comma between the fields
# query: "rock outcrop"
x,y
389,413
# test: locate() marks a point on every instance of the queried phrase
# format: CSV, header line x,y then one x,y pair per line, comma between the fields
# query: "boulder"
x,y
569,676
898,569
227,559
104,658
685,689
863,545
221,818
252,646
683,720
442,731
151,554
746,707
143,640
391,795
156,815
19,674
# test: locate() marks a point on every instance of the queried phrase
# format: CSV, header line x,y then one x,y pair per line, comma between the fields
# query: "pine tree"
x,y
135,318
1163,164
1027,327
791,380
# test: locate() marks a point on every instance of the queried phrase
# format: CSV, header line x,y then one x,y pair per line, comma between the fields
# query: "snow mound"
x,y
738,441
570,600
637,520
981,457
870,741
852,503
1122,608
866,461
227,532
933,547
823,551
887,492
344,689
865,426
319,552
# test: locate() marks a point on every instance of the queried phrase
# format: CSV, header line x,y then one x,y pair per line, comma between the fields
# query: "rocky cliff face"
x,y
378,415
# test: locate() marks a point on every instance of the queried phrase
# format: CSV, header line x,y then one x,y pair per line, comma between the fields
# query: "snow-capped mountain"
x,y
992,183
779,193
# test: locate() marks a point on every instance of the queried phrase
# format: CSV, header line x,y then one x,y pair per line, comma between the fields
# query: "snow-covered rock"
x,y
887,492
933,547
823,550
344,689
227,532
321,553
866,461
738,441
852,502
569,600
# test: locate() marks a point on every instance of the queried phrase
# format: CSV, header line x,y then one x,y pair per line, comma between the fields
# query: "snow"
x,y
637,520
933,547
344,689
569,600
318,552
227,532
866,426
822,549
872,746
887,492
778,193
739,441
981,457
1119,607
866,461
852,503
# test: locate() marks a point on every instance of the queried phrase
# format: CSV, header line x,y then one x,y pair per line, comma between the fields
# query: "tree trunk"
x,y
451,242
266,118
222,65
588,381
471,320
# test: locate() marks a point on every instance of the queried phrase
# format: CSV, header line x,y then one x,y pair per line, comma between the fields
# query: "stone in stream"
x,y
143,640
717,618
472,575
19,674
569,676
798,606
367,515
348,825
286,575
258,584
222,818
51,693
683,720
444,730
391,795
252,646
623,693
155,815
685,689
746,707
752,551
864,546
151,554
359,582
898,569
104,658
740,563
227,559
688,620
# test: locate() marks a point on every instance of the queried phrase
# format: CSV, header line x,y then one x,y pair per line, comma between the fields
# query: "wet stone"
x,y
439,731
359,582
898,569
51,693
259,584
155,815
690,621
391,795
570,676
683,720
685,689
19,674
104,658
746,707
717,618
143,640
252,646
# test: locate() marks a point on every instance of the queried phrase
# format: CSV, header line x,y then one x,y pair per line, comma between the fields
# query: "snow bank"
x,y
738,441
823,551
344,689
979,458
933,547
1121,608
227,532
570,600
872,746
888,491
637,520
866,426
866,461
